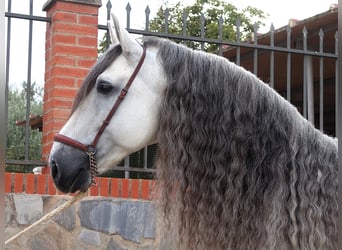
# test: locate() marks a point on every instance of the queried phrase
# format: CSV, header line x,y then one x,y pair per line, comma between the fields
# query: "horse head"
x,y
134,124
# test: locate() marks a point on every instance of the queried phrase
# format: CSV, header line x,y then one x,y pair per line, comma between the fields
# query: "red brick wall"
x,y
108,187
71,49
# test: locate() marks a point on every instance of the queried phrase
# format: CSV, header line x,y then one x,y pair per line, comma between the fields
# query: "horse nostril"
x,y
54,168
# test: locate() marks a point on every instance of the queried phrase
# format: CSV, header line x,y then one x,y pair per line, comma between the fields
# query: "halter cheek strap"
x,y
90,149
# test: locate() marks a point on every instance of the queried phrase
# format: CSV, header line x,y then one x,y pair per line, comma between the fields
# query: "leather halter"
x,y
90,149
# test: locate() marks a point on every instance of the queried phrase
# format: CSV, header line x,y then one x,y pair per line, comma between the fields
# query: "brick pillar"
x,y
71,49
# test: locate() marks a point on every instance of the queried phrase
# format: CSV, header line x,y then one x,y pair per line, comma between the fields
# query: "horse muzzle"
x,y
70,169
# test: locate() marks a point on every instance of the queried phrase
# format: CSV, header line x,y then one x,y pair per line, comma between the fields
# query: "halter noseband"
x,y
90,149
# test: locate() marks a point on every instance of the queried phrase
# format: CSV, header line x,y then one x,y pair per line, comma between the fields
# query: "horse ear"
x,y
112,33
128,44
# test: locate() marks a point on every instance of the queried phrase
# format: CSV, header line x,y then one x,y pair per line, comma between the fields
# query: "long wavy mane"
x,y
240,167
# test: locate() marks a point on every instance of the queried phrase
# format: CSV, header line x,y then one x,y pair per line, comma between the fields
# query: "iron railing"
x,y
272,50
30,19
281,56
257,48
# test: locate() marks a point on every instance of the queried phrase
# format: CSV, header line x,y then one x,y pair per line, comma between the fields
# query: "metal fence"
x,y
300,62
313,93
22,160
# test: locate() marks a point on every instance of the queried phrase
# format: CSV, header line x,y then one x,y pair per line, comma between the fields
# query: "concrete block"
x,y
29,208
100,215
138,220
113,245
133,220
67,218
49,237
9,209
90,237
39,243
150,221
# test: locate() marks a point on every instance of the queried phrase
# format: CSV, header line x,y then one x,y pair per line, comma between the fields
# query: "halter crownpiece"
x,y
90,149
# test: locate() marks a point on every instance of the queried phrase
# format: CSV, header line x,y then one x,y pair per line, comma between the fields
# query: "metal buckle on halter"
x,y
123,93
91,150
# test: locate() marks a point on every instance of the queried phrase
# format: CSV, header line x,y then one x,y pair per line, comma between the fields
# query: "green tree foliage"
x,y
214,12
16,134
102,45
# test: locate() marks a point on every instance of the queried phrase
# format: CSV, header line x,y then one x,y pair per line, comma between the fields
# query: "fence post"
x,y
71,49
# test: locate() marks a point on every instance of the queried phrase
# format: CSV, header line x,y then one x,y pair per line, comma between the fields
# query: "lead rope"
x,y
76,198
49,215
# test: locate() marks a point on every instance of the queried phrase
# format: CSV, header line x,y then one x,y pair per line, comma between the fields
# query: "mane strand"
x,y
240,167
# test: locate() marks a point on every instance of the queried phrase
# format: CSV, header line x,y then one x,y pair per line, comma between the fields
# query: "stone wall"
x,y
92,223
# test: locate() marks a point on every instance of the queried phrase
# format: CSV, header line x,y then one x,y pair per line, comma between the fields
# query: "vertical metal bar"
x,y
337,75
166,16
147,28
305,87
305,36
145,157
202,30
338,113
255,57
147,18
321,89
3,107
305,65
310,91
220,34
126,166
28,87
238,52
109,8
184,24
272,57
128,10
8,56
288,68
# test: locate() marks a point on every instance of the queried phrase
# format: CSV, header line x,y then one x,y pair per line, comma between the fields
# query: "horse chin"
x,y
81,183
104,166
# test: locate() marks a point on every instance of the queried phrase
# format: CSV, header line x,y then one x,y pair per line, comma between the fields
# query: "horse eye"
x,y
104,87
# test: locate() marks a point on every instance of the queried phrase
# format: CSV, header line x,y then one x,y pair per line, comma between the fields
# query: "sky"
x,y
279,14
